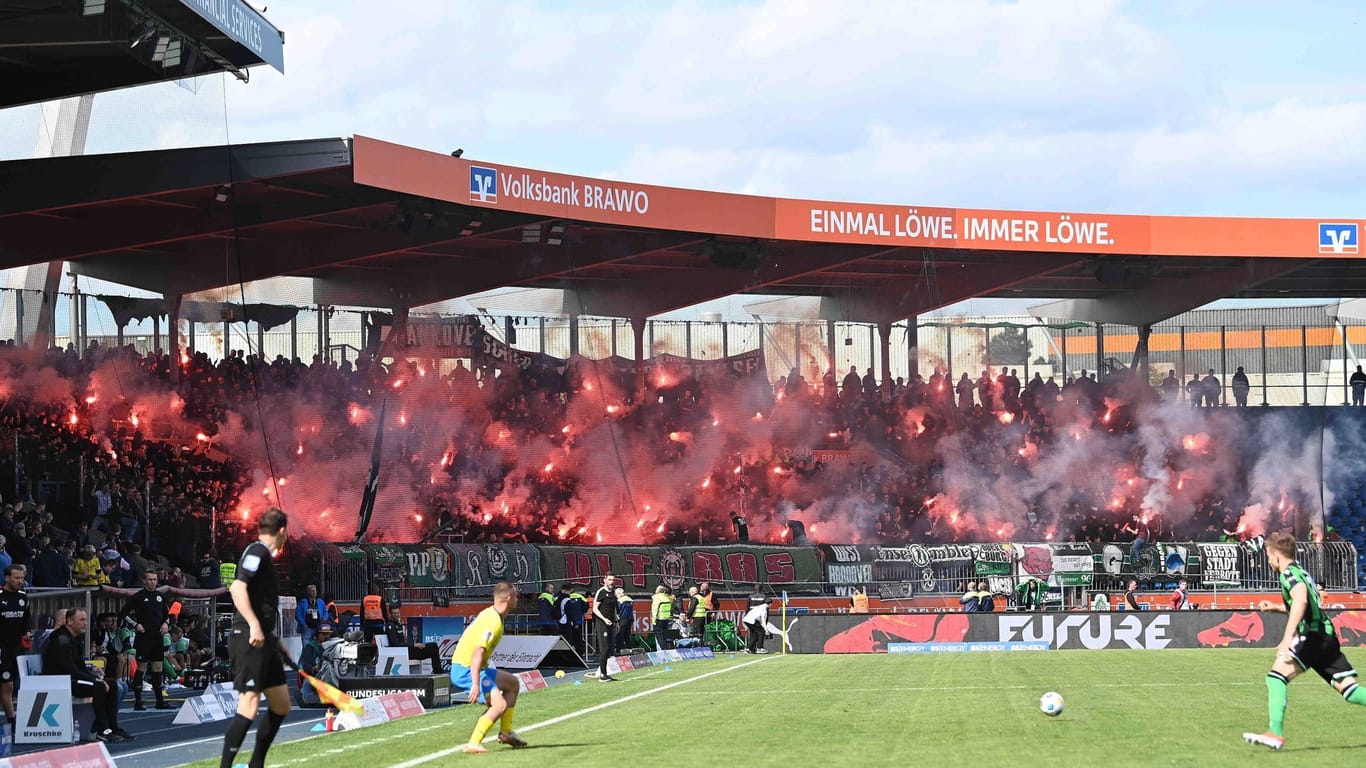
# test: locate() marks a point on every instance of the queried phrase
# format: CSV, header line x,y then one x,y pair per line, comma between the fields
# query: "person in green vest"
x,y
661,614
227,572
986,602
547,605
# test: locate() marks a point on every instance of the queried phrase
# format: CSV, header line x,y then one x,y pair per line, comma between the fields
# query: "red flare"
x,y
418,517
549,467
300,450
421,371
706,483
611,409
737,470
640,523
660,529
582,529
588,385
73,418
674,436
90,400
398,383
758,416
184,359
403,418
599,538
777,470
201,437
565,430
716,422
1106,417
284,481
135,419
1005,417
1180,483
488,518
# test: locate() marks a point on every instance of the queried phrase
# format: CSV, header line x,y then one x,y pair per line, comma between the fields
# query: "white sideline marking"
x,y
927,688
219,738
589,710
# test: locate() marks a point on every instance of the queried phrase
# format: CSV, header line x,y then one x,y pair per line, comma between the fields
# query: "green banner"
x,y
477,567
987,568
428,566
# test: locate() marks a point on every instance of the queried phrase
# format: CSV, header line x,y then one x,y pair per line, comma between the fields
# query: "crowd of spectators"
x,y
864,459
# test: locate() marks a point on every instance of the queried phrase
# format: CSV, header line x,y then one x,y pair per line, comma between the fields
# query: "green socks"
x,y
1276,700
1355,694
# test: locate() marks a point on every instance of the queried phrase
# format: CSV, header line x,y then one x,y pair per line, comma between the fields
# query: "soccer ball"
x,y
1051,704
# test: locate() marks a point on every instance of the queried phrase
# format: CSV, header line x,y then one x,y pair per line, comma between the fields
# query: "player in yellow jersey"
x,y
471,670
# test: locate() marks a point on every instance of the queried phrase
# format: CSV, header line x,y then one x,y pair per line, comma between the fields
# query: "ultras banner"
x,y
729,567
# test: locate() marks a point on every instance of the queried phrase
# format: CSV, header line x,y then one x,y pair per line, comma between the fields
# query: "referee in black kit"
x,y
254,646
145,613
605,610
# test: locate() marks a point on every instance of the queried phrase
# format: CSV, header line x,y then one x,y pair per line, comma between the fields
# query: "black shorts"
x,y
149,647
9,665
1322,654
254,669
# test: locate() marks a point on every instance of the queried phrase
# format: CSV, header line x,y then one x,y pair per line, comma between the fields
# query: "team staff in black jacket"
x,y
145,613
63,657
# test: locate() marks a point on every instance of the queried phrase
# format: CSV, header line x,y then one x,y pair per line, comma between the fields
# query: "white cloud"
x,y
1036,104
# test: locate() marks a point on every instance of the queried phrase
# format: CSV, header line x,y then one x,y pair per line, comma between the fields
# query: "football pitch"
x,y
1124,708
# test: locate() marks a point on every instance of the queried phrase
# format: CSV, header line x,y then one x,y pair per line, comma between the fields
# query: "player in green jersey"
x,y
1310,642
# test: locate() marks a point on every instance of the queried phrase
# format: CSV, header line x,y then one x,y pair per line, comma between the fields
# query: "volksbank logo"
x,y
483,185
1338,238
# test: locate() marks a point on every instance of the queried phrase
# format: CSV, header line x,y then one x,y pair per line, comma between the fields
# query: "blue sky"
x,y
1180,107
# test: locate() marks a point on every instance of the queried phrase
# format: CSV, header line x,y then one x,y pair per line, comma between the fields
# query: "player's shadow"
x,y
556,745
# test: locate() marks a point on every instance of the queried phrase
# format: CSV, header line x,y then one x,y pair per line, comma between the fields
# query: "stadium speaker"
x,y
732,254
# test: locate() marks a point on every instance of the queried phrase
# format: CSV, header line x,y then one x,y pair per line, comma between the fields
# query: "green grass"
x,y
1124,708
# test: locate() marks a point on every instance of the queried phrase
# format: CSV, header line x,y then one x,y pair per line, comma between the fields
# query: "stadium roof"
x,y
380,225
52,49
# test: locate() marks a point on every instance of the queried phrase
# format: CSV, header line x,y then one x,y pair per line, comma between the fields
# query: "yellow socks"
x,y
481,729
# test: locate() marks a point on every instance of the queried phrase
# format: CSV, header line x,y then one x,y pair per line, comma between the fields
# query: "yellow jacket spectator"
x,y
86,570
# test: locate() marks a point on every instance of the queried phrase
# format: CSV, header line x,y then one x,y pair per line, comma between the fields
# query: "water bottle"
x,y
75,731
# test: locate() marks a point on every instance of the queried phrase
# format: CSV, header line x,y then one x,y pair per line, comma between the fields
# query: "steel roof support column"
x,y
1140,361
912,349
173,337
638,337
884,342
